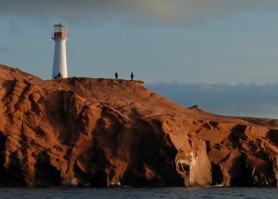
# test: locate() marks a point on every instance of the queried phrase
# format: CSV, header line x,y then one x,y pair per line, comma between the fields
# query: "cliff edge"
x,y
106,132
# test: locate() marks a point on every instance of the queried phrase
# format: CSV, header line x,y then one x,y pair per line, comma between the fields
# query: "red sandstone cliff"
x,y
102,132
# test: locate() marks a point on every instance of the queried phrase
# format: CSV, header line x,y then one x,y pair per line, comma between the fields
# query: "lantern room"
x,y
60,31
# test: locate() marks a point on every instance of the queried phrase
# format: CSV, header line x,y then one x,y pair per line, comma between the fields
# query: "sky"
x,y
219,54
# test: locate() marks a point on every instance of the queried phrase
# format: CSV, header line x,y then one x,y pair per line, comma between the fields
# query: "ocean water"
x,y
134,193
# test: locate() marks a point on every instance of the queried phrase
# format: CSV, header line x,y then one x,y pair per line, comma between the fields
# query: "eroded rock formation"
x,y
104,132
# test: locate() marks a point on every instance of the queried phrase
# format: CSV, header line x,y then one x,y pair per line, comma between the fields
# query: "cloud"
x,y
145,10
239,100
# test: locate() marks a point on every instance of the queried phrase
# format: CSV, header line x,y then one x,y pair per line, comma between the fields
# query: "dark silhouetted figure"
x,y
58,76
116,75
131,75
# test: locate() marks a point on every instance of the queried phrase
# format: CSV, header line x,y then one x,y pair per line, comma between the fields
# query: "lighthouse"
x,y
60,57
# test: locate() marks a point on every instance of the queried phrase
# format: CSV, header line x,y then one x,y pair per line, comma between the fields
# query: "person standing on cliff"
x,y
131,75
116,75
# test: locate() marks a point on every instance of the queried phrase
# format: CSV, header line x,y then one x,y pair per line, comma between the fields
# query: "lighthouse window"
x,y
59,28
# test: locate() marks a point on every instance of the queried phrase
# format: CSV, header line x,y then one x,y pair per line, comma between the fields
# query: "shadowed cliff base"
x,y
107,132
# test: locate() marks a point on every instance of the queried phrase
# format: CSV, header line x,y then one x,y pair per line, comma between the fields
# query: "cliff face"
x,y
102,132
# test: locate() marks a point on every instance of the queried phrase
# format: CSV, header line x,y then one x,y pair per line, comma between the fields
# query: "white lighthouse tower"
x,y
60,57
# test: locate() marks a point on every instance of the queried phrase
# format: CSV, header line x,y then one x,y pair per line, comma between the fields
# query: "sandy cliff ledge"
x,y
104,132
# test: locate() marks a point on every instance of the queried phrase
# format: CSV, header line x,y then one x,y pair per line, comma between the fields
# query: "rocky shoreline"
x,y
106,132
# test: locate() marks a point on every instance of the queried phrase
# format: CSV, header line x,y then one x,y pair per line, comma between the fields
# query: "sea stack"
x,y
60,57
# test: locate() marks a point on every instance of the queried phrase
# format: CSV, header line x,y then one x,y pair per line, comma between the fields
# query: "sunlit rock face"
x,y
104,132
194,166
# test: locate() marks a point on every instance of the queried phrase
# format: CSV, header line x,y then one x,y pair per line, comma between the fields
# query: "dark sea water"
x,y
124,193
